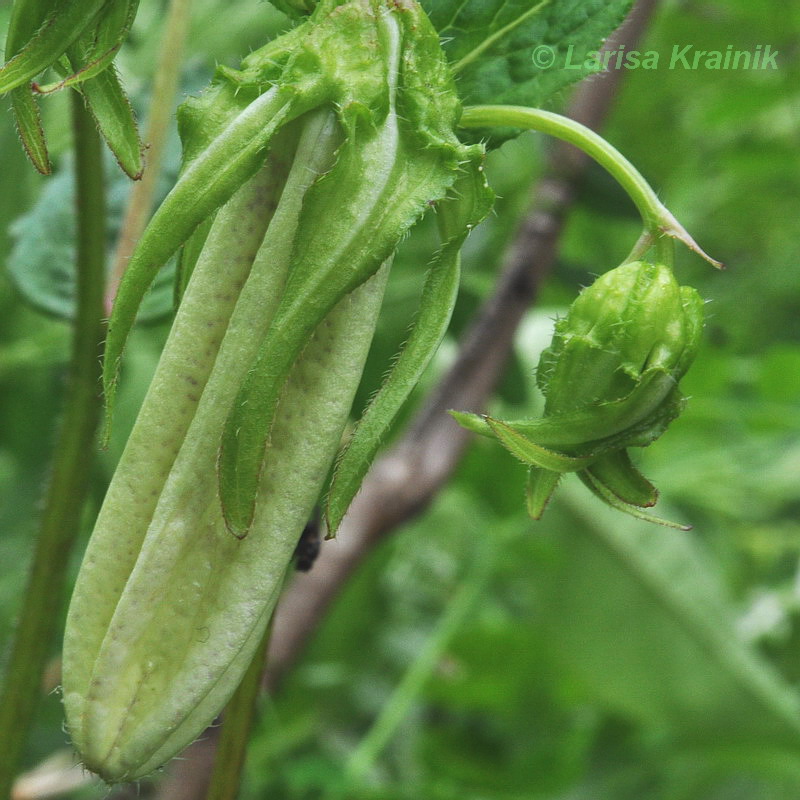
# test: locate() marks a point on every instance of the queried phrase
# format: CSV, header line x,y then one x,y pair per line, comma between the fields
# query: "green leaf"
x,y
492,44
640,617
42,267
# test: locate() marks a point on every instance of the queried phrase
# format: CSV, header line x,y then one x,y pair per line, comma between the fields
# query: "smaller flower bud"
x,y
630,320
610,379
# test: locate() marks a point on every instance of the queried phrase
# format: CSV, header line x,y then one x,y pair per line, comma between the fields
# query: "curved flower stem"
x,y
657,219
41,609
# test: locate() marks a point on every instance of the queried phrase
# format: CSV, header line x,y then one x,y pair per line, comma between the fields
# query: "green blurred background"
x,y
589,656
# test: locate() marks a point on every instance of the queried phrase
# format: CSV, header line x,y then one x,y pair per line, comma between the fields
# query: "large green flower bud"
x,y
610,379
314,161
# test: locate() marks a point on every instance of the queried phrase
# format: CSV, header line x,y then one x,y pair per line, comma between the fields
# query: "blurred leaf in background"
x,y
604,659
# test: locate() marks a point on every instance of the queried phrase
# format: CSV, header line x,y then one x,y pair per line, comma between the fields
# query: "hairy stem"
x,y
41,609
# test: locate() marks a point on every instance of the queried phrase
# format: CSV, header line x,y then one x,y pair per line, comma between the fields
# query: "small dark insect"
x,y
308,546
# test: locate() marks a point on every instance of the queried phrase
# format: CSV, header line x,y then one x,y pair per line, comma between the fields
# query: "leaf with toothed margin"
x,y
516,52
492,45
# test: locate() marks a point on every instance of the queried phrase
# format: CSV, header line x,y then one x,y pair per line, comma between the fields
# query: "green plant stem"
x,y
65,494
237,723
411,685
159,115
657,219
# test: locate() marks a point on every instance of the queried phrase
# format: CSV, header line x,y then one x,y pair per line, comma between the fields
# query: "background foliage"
x,y
592,656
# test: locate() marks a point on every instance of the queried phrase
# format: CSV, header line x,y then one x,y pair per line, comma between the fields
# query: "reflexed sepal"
x,y
398,111
467,204
539,489
79,39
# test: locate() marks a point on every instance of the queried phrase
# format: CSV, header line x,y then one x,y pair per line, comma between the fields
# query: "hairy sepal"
x,y
95,49
64,22
109,105
26,17
400,155
469,201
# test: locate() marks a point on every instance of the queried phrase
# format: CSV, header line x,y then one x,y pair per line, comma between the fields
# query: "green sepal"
x,y
29,126
295,8
95,50
539,489
532,454
312,65
328,264
608,497
616,472
109,105
26,17
65,22
470,201
644,413
472,422
400,155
